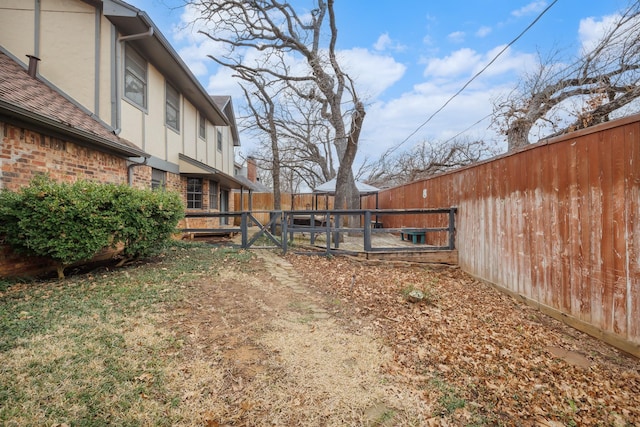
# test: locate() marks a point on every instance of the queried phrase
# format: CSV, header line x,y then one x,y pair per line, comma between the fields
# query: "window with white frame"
x,y
202,126
172,108
219,140
135,78
194,193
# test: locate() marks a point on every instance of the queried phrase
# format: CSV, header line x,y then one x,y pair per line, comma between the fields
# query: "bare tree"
x,y
262,110
602,81
306,141
274,32
292,130
427,159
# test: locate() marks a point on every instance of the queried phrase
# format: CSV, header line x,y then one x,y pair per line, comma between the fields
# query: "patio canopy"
x,y
329,187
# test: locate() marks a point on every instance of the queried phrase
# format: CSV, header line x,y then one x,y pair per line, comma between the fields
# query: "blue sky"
x,y
410,56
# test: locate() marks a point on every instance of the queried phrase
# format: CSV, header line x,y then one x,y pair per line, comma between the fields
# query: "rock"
x,y
415,296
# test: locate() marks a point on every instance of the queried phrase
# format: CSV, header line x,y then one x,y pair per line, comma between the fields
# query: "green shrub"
x,y
147,219
70,223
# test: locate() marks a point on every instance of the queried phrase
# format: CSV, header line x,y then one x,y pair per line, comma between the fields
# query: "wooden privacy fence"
x,y
556,224
262,203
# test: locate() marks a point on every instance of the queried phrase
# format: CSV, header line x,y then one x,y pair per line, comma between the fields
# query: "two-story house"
x,y
133,100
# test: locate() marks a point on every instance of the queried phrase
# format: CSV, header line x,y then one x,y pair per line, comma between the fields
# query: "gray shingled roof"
x,y
28,100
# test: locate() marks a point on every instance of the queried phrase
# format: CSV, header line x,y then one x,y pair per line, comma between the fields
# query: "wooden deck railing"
x,y
435,226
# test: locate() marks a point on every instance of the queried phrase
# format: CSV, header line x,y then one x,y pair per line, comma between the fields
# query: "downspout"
x,y
119,41
130,169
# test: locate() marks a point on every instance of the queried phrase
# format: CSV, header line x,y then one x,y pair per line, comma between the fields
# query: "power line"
x,y
472,79
464,130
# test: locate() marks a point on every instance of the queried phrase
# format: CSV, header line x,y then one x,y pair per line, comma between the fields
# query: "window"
x,y
202,126
194,193
219,140
158,179
173,107
213,195
135,78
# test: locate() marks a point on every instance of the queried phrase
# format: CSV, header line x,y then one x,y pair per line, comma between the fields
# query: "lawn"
x,y
205,335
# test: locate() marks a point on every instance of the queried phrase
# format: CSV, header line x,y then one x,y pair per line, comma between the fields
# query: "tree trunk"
x,y
518,134
60,270
275,171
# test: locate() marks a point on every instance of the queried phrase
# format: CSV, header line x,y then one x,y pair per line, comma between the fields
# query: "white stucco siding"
x,y
107,76
174,145
189,130
156,132
226,160
202,149
67,48
132,127
17,28
211,144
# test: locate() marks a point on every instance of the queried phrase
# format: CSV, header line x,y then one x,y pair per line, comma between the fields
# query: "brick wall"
x,y
25,153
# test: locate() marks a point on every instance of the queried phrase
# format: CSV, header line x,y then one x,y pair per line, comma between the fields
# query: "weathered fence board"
x,y
557,223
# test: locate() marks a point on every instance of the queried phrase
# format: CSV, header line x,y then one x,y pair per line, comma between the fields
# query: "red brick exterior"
x,y
25,153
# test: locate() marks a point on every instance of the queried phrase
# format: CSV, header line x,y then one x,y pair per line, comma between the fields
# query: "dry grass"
x,y
91,350
214,337
335,375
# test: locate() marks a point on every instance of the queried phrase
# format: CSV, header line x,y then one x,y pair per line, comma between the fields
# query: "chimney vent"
x,y
33,65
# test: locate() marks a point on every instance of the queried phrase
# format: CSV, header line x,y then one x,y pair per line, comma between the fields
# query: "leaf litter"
x,y
484,357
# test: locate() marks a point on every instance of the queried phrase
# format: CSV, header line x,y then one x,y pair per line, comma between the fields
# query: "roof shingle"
x,y
24,94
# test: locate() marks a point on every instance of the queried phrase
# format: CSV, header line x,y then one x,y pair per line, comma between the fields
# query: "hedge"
x,y
72,222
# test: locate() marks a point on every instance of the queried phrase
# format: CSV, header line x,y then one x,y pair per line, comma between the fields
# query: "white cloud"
x,y
456,37
529,9
373,73
403,115
385,42
467,62
590,31
483,31
459,62
222,83
509,61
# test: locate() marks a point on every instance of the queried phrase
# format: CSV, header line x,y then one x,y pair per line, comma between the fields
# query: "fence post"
x,y
244,229
284,220
452,228
367,231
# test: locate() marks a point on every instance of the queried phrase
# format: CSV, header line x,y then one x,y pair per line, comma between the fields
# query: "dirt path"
x,y
314,341
284,357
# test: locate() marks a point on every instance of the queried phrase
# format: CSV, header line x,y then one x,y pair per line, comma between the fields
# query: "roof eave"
x,y
193,167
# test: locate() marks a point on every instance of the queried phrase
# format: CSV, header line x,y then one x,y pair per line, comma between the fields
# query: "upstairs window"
x,y
219,140
202,126
172,108
135,78
194,193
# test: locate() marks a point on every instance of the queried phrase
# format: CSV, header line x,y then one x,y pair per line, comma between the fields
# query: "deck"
x,y
354,245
